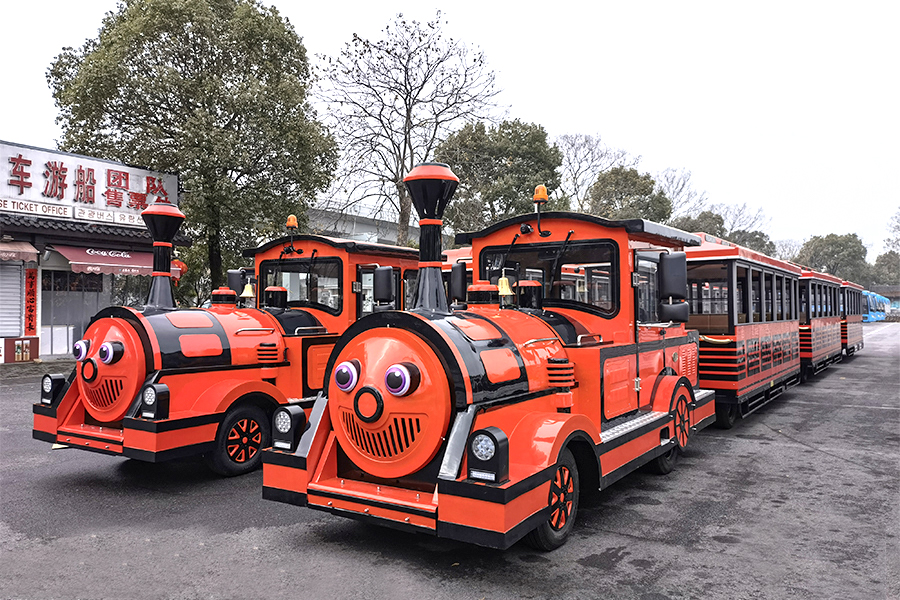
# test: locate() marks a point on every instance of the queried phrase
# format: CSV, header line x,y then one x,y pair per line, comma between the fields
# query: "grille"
x,y
401,434
561,374
267,353
687,361
106,394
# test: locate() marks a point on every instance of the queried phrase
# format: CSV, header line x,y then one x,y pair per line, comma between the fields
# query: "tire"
x,y
681,426
563,503
726,415
243,434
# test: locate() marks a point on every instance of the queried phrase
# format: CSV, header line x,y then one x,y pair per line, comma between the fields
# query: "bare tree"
x,y
391,101
893,240
584,158
676,185
788,249
740,217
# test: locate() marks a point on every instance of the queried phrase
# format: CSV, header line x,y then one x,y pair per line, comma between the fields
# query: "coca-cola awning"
x,y
101,260
17,251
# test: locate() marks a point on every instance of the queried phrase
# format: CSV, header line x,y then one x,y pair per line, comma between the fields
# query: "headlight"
x,y
487,456
483,447
288,425
149,396
282,421
52,385
46,384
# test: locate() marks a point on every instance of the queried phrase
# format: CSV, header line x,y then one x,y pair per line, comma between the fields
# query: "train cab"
x,y
564,366
166,382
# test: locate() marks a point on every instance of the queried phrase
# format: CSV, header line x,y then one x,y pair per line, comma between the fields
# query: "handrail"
x,y
254,330
536,340
588,335
310,329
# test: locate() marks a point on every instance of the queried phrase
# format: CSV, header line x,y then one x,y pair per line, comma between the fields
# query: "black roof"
x,y
348,245
664,232
62,231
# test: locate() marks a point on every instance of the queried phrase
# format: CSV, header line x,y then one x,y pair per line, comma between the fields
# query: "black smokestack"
x,y
431,186
163,220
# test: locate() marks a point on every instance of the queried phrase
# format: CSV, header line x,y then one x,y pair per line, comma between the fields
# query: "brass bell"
x,y
248,291
503,287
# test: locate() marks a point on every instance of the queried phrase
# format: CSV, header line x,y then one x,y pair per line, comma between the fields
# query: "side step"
x,y
631,425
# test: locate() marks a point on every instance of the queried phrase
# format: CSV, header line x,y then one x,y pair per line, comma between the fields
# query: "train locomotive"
x,y
164,383
562,368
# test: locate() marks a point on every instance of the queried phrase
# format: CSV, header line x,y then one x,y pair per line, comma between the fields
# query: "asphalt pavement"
x,y
800,500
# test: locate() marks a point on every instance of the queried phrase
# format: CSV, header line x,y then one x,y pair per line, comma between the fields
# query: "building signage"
x,y
57,185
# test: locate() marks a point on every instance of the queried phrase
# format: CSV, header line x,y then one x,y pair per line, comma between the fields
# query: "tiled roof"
x,y
50,226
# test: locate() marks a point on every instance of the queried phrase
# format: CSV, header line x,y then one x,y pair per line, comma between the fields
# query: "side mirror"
x,y
677,313
383,288
458,282
671,276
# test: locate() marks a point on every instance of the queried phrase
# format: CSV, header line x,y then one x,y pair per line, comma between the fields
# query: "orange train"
x,y
765,324
564,366
163,383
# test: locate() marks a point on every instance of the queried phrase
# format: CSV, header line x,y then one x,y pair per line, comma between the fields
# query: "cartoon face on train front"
x,y
111,368
390,401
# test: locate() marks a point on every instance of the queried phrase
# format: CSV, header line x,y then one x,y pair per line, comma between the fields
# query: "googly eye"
x,y
346,375
402,379
110,352
80,349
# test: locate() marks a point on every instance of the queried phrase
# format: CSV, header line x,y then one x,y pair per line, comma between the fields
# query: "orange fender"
x,y
665,390
538,438
221,395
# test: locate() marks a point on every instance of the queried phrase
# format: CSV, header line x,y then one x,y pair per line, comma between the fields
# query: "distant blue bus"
x,y
874,307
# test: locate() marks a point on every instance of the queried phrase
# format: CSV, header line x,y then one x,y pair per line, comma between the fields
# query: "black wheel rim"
x,y
562,491
244,440
682,422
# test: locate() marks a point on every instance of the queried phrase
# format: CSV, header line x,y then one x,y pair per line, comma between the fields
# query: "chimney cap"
x,y
431,170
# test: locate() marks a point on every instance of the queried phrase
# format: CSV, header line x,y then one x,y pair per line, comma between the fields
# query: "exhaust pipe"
x,y
163,220
431,186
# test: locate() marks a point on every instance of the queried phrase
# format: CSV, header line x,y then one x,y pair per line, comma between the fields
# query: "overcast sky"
x,y
791,106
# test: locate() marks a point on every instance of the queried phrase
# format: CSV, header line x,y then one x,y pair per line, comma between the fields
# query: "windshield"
x,y
580,274
321,288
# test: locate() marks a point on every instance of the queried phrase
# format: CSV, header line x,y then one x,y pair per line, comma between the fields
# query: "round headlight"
x,y
149,396
282,421
483,447
46,384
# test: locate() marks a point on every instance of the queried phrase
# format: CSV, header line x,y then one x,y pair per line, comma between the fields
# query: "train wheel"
x,y
726,415
681,426
244,432
563,502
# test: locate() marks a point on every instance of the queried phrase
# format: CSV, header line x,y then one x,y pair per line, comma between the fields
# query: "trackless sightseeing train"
x,y
564,366
164,383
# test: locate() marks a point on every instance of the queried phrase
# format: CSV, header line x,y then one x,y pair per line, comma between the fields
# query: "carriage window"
x,y
742,295
804,301
779,297
709,297
756,295
578,273
314,283
646,290
769,280
789,299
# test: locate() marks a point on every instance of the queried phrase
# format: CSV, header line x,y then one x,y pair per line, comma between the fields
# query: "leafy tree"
x,y
887,269
498,168
213,89
893,240
623,193
584,157
841,255
707,222
755,240
392,100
